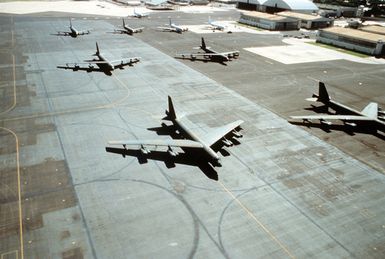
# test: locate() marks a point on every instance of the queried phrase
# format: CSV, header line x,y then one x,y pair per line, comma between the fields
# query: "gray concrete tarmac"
x,y
282,192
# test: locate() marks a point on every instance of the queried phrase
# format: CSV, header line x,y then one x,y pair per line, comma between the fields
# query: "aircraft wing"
x,y
63,33
159,142
194,55
167,28
76,67
230,53
120,31
333,117
138,29
218,133
125,62
83,32
222,54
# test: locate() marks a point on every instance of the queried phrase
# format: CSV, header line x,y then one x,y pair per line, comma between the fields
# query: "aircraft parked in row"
x,y
210,54
369,116
172,27
73,32
128,30
102,63
139,14
214,25
200,147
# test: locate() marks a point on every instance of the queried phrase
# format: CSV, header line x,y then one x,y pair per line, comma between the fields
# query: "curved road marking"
x,y
18,191
109,105
250,213
14,87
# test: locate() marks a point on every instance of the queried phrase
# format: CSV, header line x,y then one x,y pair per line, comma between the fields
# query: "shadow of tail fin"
x,y
203,44
97,49
323,95
171,114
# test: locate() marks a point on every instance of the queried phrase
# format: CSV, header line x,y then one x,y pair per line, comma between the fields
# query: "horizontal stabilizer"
x,y
371,110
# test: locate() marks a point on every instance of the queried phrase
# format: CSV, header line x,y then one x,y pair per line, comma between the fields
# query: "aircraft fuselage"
x,y
128,29
107,64
221,58
211,153
177,28
74,32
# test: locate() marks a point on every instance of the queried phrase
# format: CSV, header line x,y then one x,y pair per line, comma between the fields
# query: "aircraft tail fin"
x,y
70,22
170,22
171,114
371,110
203,44
323,95
124,24
209,19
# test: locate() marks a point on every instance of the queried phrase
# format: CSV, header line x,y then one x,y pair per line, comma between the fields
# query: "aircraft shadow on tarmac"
x,y
88,69
203,60
186,158
189,156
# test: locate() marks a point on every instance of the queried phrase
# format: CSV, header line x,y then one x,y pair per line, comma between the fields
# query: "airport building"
x,y
308,21
268,21
273,6
253,5
337,10
352,39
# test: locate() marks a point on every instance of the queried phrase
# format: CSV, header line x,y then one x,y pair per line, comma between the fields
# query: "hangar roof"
x,y
302,16
356,34
256,2
266,16
292,4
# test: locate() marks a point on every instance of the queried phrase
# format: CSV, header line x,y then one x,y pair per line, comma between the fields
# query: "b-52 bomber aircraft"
x,y
199,147
73,32
138,14
210,54
214,25
173,27
349,116
128,30
102,63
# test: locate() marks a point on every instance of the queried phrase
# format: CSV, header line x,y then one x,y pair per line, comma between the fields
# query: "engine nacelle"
x,y
144,150
237,134
325,122
351,124
227,142
172,152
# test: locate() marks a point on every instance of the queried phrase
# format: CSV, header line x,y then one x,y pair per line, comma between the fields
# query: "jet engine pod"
x,y
144,150
172,152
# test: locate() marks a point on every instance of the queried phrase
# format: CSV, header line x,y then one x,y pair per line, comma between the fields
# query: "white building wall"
x,y
334,40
